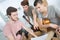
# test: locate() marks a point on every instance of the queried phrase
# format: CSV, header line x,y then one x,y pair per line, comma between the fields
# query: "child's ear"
x,y
8,16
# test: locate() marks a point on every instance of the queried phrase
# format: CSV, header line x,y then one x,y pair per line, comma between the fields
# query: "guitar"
x,y
46,21
31,25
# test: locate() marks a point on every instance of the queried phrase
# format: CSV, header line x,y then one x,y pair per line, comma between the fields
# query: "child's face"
x,y
25,7
14,16
40,7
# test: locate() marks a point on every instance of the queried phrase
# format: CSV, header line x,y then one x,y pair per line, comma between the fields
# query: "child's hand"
x,y
58,30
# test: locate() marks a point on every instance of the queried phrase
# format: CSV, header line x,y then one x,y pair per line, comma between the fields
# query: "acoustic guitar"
x,y
45,21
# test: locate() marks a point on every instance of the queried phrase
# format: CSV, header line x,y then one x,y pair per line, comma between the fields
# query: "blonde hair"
x,y
45,2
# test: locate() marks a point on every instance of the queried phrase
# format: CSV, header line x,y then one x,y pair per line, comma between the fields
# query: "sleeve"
x,y
57,12
31,7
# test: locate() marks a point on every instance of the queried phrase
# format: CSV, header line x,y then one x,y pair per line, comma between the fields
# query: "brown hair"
x,y
37,1
10,9
44,2
23,3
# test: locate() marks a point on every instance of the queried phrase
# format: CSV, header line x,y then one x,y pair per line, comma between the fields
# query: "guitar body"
x,y
45,21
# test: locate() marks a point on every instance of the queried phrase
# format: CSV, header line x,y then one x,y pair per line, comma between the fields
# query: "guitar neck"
x,y
27,20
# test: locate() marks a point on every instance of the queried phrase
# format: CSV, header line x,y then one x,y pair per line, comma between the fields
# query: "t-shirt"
x,y
53,14
12,29
29,13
